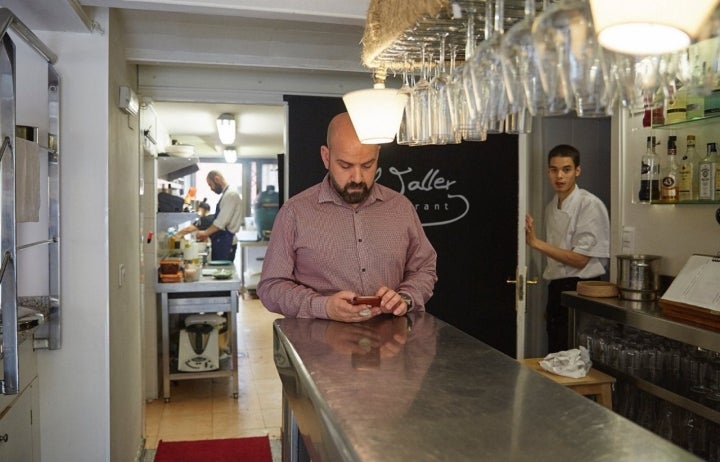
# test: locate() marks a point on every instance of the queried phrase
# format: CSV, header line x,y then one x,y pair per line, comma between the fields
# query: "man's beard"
x,y
217,189
351,197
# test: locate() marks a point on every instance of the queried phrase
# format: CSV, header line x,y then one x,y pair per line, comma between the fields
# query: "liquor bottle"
x,y
649,174
706,174
669,176
653,115
695,106
687,172
676,109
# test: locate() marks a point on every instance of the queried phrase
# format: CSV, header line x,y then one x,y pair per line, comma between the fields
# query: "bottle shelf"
x,y
697,121
695,202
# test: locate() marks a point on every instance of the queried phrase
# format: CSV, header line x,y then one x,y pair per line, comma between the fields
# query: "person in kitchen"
x,y
347,236
204,220
229,217
577,242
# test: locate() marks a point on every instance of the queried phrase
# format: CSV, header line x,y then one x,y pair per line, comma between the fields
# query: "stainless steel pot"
x,y
638,276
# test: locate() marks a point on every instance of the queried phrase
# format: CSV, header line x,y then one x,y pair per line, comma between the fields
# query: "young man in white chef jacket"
x,y
577,242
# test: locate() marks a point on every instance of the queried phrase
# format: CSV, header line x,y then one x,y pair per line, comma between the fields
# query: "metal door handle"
x,y
529,281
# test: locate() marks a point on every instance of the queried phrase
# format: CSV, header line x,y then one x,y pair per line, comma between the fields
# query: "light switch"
x,y
628,240
121,275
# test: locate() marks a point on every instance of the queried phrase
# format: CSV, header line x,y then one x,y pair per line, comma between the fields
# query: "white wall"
x,y
671,231
124,233
75,380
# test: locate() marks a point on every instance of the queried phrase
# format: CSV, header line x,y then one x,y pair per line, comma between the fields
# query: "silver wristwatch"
x,y
406,298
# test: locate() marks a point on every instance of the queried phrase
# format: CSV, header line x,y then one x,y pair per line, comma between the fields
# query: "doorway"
x,y
592,137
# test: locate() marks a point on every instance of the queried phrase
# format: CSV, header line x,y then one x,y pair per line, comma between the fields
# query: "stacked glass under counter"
x,y
668,371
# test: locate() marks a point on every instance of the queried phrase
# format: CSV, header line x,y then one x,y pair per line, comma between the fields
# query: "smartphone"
x,y
371,300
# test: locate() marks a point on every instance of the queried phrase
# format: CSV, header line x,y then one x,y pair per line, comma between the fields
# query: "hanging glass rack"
x,y
446,17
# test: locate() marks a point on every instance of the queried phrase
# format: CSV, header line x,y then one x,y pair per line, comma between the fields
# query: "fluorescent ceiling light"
x,y
649,27
226,128
230,154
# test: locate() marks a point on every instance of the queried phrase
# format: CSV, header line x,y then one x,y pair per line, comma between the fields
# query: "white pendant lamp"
x,y
226,128
649,27
376,112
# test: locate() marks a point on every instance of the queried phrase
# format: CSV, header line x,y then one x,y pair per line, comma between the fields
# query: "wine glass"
x,y
550,33
404,133
441,127
588,82
486,73
454,93
421,105
520,73
520,64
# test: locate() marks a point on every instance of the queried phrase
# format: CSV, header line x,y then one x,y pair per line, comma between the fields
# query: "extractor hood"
x,y
171,168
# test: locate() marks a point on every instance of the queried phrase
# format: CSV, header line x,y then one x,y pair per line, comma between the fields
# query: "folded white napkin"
x,y
573,363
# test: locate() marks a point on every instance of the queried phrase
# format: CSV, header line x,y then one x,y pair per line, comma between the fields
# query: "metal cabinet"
x,y
19,434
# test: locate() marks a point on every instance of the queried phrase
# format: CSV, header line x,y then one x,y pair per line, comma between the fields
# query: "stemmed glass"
x,y
549,33
622,74
405,129
421,106
588,82
521,63
455,93
487,74
471,128
521,75
441,128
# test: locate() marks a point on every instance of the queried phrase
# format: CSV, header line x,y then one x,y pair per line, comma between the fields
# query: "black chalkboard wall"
x,y
466,197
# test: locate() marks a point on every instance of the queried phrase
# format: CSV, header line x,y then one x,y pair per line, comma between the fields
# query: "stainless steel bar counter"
x,y
417,389
207,295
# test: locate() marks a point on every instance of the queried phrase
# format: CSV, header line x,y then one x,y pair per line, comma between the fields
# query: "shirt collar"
x,y
570,199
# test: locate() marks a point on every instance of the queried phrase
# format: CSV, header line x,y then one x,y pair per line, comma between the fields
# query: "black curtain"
x,y
466,197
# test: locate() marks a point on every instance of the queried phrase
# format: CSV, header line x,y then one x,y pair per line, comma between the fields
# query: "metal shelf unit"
x,y
48,335
644,316
206,295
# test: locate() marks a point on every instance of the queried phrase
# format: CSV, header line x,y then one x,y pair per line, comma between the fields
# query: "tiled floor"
x,y
205,409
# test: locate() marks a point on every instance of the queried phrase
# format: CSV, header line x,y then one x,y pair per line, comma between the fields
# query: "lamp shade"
x,y
375,113
226,128
649,27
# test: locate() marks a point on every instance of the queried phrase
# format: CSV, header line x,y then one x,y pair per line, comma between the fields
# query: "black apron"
x,y
222,247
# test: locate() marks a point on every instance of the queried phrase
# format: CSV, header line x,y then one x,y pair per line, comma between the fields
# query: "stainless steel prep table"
x,y
434,393
206,295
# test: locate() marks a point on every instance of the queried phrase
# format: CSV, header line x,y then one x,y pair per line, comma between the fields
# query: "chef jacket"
x,y
582,225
